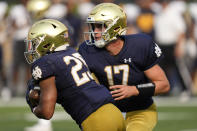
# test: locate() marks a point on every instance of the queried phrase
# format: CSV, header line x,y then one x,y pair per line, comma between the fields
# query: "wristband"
x,y
146,90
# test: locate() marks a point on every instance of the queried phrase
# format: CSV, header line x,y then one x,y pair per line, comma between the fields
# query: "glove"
x,y
30,85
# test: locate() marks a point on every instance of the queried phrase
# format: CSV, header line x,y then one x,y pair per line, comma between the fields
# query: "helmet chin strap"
x,y
100,43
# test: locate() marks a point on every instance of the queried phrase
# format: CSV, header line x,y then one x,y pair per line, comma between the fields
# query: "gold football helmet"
x,y
44,37
37,8
113,20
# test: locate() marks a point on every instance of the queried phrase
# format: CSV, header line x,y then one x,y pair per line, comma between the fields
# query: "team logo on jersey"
x,y
37,73
157,50
127,60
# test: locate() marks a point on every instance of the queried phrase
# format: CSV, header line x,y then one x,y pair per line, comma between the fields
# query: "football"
x,y
34,97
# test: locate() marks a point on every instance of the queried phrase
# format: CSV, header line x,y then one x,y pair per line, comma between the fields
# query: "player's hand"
x,y
30,86
120,92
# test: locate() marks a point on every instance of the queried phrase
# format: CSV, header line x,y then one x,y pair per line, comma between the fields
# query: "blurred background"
x,y
171,23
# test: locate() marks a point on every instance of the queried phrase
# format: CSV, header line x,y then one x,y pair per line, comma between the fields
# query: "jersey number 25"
x,y
86,76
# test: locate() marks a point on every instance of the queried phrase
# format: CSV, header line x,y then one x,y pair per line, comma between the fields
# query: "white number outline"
x,y
86,76
116,70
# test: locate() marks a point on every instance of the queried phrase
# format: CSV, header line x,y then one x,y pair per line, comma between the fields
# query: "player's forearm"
x,y
157,76
48,97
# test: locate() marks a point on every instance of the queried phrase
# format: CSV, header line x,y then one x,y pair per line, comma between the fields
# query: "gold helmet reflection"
x,y
37,8
113,19
44,37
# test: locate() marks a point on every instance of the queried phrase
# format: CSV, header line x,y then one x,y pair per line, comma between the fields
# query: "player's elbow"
x,y
163,87
48,114
47,117
45,114
166,88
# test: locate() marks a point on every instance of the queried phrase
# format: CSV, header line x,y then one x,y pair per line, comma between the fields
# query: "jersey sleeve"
x,y
85,52
152,55
42,69
81,49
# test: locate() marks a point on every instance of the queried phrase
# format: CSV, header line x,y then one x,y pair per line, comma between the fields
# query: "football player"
x,y
126,64
64,78
37,10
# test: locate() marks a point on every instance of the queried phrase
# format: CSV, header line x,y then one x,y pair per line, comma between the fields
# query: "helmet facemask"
x,y
91,35
31,53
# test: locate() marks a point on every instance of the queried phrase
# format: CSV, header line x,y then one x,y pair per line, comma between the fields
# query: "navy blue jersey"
x,y
138,54
77,92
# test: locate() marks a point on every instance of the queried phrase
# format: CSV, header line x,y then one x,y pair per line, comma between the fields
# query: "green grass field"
x,y
173,116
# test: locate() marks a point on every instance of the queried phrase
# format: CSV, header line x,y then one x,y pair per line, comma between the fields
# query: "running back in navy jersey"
x,y
78,93
139,53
